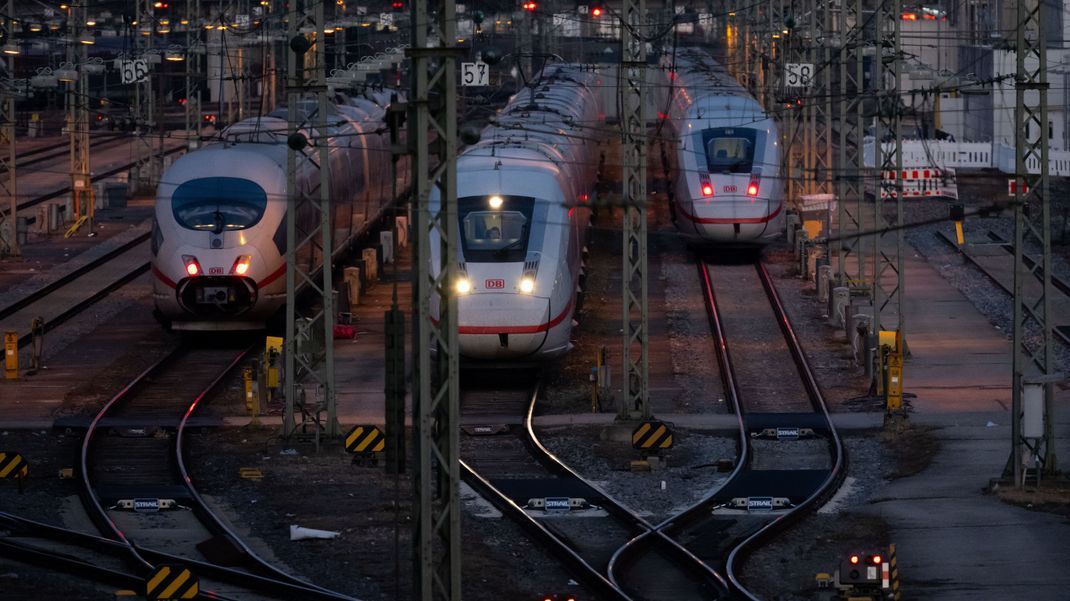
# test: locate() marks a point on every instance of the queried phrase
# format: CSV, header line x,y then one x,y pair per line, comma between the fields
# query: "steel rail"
x,y
701,509
146,559
214,523
116,549
61,191
59,150
1061,332
838,470
650,535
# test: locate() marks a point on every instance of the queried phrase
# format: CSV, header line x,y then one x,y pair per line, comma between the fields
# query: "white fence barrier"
x,y
941,154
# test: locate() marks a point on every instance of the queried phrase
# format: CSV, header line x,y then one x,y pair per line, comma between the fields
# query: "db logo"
x,y
730,188
495,284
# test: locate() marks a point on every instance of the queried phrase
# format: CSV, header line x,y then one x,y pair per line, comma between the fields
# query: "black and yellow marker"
x,y
958,214
893,574
652,435
365,440
12,465
169,582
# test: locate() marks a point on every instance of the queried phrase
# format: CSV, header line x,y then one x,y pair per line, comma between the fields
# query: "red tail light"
x,y
241,265
192,266
705,185
752,189
755,183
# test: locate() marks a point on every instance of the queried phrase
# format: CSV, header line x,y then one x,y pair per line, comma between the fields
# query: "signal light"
x,y
397,5
596,12
876,560
854,559
529,6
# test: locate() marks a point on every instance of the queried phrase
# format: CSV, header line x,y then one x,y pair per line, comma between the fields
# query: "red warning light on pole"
x,y
529,6
596,11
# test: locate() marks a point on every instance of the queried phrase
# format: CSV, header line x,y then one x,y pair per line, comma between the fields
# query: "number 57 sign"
x,y
475,74
132,71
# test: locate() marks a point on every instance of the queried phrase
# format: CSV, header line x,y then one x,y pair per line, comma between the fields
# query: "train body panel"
x,y
523,211
727,183
219,229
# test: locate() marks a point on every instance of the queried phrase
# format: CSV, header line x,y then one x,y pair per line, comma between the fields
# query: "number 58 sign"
x,y
475,74
132,71
799,75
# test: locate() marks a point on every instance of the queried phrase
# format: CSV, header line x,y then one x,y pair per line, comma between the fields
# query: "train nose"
x,y
502,326
209,296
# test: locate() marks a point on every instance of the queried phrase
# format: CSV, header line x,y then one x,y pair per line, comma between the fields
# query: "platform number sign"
x,y
135,71
799,75
475,74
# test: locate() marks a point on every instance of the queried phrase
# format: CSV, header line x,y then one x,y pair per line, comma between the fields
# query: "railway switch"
x,y
11,355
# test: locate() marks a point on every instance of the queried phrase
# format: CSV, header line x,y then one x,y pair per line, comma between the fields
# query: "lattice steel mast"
x,y
309,338
9,184
635,386
850,159
78,119
436,399
1033,352
887,285
144,171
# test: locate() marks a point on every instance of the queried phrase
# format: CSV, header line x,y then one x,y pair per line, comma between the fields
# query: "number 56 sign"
x,y
475,74
135,71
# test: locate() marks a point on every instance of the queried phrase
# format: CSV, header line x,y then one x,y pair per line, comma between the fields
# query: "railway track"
x,y
95,178
998,267
77,290
133,455
790,454
58,150
517,473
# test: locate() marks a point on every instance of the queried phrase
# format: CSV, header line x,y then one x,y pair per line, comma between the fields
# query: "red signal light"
x,y
529,6
876,560
397,5
854,559
596,11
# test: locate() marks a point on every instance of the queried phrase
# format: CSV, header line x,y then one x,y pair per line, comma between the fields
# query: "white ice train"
x,y
524,192
219,231
728,188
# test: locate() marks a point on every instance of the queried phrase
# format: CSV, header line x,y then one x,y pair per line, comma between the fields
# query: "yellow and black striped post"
x,y
365,440
893,573
652,435
13,466
169,582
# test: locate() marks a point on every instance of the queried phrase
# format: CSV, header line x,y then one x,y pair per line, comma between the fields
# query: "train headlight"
x,y
495,202
463,285
193,267
527,285
241,265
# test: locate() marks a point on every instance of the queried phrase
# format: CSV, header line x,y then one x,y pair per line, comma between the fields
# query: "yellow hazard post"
x,y
272,354
891,350
11,355
958,214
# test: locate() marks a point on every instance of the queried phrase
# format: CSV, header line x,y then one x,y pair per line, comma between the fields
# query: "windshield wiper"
x,y
220,222
512,245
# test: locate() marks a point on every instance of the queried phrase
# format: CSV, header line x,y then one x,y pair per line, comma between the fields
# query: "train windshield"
x,y
728,149
218,204
495,229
